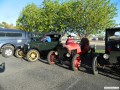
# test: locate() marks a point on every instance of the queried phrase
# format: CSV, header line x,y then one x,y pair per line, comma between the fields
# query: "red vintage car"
x,y
70,54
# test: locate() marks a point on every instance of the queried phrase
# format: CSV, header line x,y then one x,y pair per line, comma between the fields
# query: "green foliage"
x,y
100,51
81,16
6,25
29,18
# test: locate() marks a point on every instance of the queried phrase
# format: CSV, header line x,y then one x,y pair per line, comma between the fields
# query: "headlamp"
x,y
68,54
56,53
105,56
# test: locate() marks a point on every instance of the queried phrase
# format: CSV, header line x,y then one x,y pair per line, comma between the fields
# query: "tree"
x,y
80,16
6,25
88,16
51,16
29,18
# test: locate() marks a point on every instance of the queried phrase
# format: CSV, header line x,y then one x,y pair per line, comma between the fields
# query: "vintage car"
x,y
33,50
69,54
111,58
11,39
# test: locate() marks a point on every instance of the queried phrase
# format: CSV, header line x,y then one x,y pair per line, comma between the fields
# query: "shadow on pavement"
x,y
43,60
110,73
114,74
86,67
86,64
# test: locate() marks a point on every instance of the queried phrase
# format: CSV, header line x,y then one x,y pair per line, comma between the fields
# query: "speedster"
x,y
70,54
111,58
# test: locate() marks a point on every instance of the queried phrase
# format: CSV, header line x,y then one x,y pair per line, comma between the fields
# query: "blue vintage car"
x,y
11,39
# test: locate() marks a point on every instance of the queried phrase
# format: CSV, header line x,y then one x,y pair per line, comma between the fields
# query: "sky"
x,y
11,9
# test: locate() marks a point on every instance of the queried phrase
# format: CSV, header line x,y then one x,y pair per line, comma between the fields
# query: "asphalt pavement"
x,y
20,74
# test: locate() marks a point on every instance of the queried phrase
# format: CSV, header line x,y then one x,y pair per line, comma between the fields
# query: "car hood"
x,y
73,46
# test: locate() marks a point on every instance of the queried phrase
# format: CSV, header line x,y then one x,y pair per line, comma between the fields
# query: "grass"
x,y
100,51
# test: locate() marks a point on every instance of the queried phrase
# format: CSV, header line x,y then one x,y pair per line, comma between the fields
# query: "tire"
x,y
76,62
18,53
7,52
94,66
51,57
32,55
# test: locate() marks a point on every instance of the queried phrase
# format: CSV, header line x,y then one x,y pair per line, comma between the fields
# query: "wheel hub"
x,y
32,55
8,52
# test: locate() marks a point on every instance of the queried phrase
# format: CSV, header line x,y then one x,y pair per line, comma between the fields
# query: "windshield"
x,y
114,36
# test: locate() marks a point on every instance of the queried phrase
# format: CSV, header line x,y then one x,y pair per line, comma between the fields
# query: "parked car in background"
x,y
33,50
10,39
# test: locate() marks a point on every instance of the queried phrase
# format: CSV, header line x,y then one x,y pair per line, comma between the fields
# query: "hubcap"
x,y
8,52
33,55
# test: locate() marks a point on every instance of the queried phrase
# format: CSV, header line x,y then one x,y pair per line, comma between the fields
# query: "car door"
x,y
51,45
38,45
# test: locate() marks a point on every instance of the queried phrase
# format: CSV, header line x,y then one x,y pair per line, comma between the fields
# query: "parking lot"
x,y
20,74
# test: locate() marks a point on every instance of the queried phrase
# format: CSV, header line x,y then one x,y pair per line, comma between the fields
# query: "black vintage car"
x,y
111,58
35,48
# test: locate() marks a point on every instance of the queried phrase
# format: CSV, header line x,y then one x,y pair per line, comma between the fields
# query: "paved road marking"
x,y
73,84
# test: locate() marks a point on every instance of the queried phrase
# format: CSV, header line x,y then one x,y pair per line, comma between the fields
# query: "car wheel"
x,y
18,53
7,52
51,57
95,66
76,62
32,55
